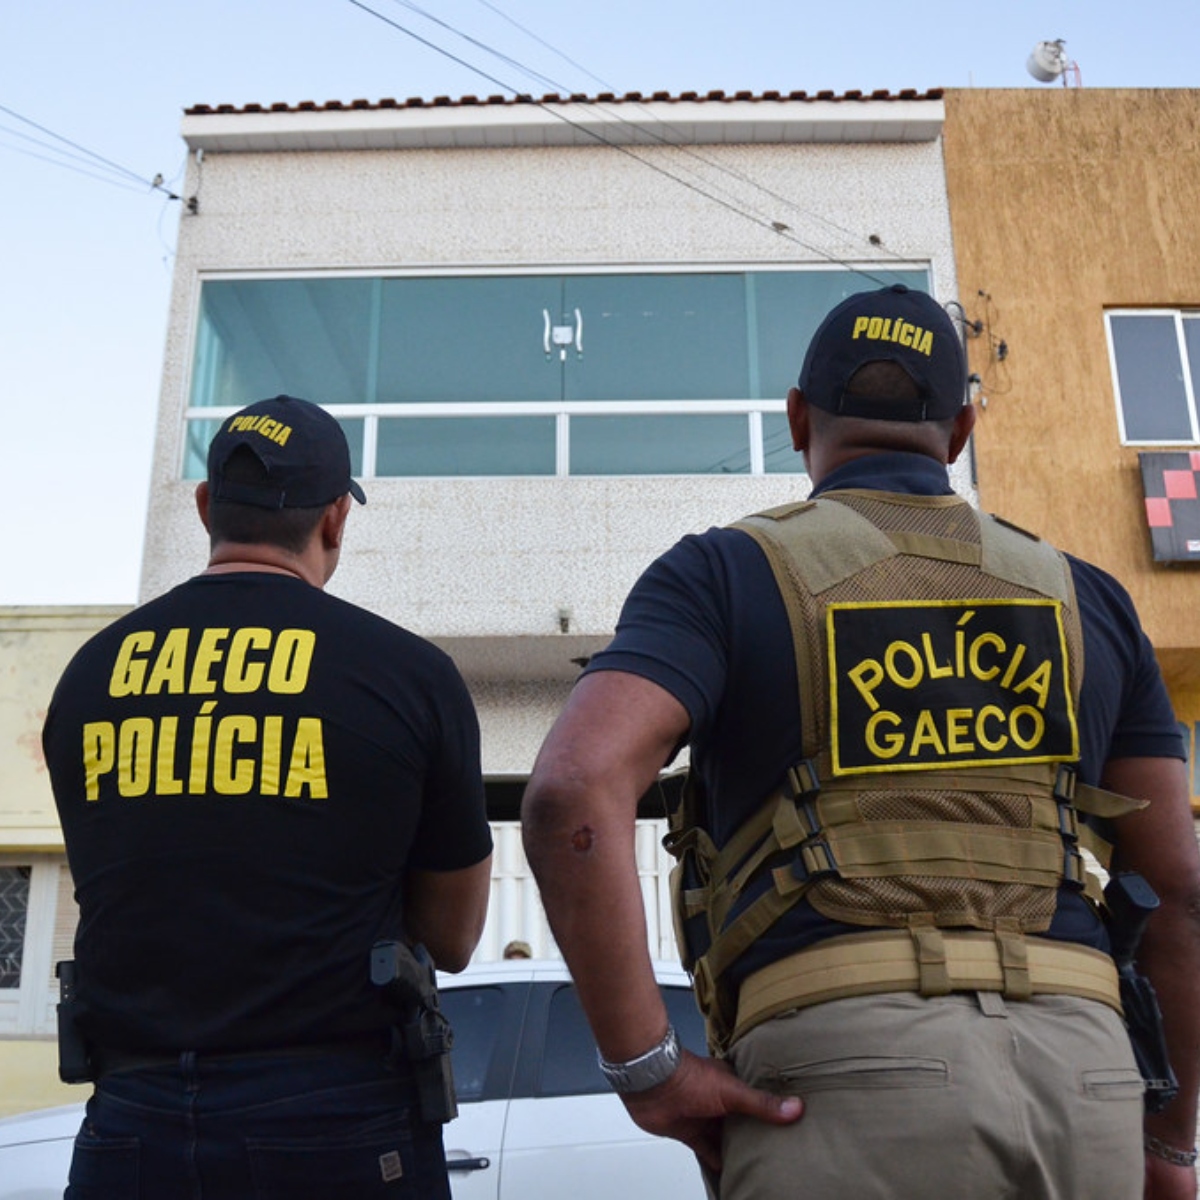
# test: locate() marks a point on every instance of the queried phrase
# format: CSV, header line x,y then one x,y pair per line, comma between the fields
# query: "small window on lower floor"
x,y
38,917
14,910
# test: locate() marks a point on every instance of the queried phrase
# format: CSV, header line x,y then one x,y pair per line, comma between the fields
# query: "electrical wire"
x,y
608,87
666,139
58,162
776,227
116,172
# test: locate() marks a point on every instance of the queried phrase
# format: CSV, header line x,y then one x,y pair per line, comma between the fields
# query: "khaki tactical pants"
x,y
960,1097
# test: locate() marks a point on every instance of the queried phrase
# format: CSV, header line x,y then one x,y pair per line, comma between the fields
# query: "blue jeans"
x,y
258,1127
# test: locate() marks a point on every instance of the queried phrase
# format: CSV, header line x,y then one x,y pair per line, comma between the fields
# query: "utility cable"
x,y
663,139
776,227
121,173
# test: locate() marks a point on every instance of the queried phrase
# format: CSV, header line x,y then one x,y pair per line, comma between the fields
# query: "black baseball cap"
x,y
302,447
893,324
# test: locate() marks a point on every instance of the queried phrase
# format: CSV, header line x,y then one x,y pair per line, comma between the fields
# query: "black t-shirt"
x,y
244,769
707,623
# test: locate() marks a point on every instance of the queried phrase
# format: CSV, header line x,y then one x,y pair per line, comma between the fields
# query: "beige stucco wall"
x,y
485,566
427,552
35,646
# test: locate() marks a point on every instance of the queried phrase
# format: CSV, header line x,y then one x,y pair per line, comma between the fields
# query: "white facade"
x,y
517,576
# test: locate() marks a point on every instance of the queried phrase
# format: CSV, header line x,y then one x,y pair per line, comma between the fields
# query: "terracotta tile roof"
x,y
416,102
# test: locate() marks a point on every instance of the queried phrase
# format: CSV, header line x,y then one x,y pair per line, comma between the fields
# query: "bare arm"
x,y
1160,843
614,736
445,911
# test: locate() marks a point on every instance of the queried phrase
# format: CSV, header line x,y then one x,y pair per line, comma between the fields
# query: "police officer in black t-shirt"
x,y
258,783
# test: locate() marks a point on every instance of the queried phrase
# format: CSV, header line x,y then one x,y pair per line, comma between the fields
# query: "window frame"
x,y
28,1010
562,410
1190,372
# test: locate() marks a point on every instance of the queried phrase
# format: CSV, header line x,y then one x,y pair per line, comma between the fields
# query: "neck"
x,y
227,558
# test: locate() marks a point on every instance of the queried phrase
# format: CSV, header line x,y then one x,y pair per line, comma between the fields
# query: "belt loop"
x,y
933,975
1014,959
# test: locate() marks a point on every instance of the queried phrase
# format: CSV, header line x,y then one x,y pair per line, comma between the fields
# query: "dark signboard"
x,y
1171,482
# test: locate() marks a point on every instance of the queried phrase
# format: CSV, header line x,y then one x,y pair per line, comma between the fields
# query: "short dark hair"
x,y
883,380
246,524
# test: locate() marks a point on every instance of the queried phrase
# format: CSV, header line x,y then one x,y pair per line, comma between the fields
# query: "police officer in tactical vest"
x,y
912,728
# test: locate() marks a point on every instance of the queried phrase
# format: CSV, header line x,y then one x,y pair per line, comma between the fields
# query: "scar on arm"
x,y
581,839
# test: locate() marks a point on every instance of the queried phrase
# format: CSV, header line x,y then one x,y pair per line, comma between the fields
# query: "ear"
x,y
333,523
964,423
797,413
202,501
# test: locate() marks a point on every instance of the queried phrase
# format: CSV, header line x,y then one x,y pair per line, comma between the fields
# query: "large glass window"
x,y
609,373
1156,370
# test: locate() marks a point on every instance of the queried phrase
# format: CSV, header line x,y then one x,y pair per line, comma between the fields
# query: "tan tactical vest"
x,y
939,657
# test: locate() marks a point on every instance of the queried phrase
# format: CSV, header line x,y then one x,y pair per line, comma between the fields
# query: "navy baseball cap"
x,y
894,324
302,447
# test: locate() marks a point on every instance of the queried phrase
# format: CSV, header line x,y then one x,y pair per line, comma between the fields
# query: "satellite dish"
x,y
1048,61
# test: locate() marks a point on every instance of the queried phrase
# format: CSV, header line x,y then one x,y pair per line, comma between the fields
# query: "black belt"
x,y
375,1045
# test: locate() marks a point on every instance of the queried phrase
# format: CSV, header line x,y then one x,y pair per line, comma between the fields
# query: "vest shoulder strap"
x,y
821,543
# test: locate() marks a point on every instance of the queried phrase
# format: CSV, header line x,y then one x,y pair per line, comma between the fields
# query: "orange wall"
x,y
1065,202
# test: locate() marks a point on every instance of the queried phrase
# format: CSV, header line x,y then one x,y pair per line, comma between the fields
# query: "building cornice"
x,y
630,120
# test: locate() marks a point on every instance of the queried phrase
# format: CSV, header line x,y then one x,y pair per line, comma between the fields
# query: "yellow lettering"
x,y
128,672
867,676
99,754
291,661
890,661
905,337
201,737
977,668
240,675
935,671
874,328
207,653
892,744
1029,740
926,734
1038,682
1009,675
957,730
925,344
860,326
134,745
272,756
165,782
981,734
232,776
307,767
170,666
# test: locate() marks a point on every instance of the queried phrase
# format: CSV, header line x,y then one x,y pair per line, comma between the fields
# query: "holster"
x,y
422,1037
75,1059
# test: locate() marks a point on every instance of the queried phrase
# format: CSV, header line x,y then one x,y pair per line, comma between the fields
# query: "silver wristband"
x,y
648,1070
1160,1149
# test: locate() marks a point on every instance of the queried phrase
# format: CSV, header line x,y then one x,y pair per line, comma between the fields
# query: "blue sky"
x,y
85,264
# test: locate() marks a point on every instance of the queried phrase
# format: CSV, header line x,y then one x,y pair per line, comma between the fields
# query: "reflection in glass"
x,y
687,444
454,446
1150,376
778,456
